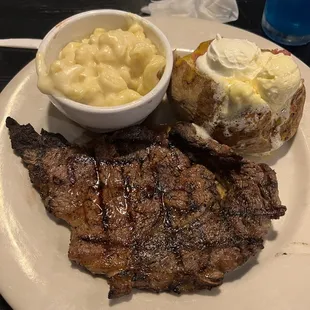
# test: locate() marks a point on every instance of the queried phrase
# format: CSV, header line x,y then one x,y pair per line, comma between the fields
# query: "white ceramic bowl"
x,y
106,118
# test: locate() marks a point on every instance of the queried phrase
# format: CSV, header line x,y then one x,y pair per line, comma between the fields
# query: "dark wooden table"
x,y
33,18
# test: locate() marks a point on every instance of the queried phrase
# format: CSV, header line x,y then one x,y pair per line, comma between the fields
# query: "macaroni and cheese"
x,y
107,68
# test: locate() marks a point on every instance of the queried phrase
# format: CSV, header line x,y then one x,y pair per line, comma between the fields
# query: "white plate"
x,y
35,272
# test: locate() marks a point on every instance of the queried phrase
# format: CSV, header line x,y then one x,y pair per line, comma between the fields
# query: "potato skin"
x,y
192,94
192,97
289,128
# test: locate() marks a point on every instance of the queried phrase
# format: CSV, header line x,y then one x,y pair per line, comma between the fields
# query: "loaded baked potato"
x,y
248,128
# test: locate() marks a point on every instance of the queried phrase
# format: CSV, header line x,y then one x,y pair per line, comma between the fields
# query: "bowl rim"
x,y
128,106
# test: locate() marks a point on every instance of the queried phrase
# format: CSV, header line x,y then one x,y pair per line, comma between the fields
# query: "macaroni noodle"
x,y
107,68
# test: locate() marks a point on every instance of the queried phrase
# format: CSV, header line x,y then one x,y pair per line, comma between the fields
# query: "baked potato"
x,y
194,97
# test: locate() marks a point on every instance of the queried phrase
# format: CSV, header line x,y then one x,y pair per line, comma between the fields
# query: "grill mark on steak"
x,y
145,208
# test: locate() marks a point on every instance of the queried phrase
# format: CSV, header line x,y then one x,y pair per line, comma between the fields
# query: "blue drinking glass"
x,y
287,21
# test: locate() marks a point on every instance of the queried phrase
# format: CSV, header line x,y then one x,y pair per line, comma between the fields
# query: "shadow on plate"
x,y
85,271
214,292
275,156
162,116
121,300
241,271
59,123
57,220
272,234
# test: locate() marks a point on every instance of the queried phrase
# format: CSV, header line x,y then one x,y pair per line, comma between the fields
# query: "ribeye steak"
x,y
159,211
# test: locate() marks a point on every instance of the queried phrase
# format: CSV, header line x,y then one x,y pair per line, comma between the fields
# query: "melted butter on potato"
x,y
242,94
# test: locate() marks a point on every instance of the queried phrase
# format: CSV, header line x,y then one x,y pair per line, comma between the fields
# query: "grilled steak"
x,y
153,211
